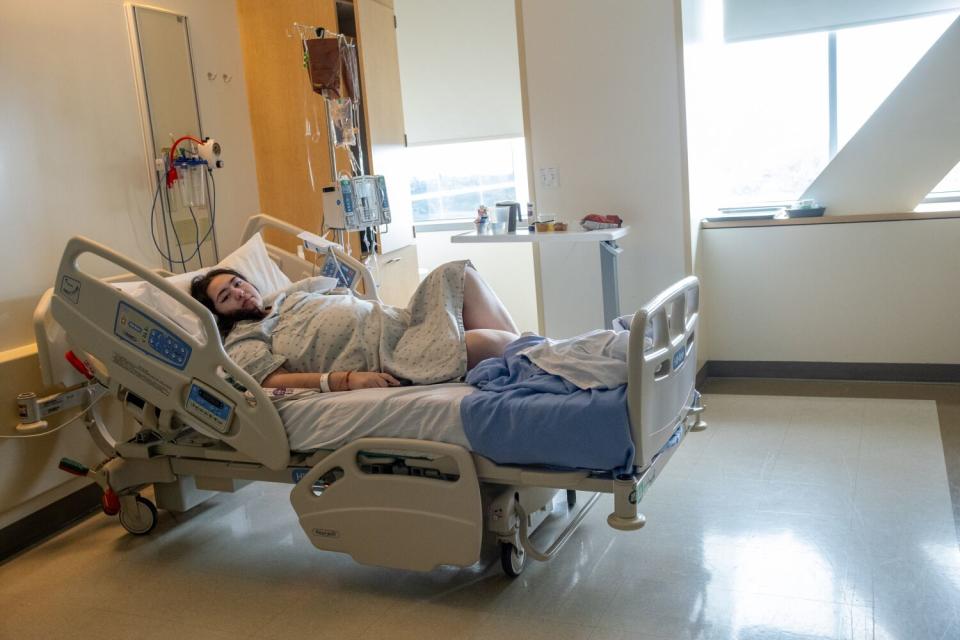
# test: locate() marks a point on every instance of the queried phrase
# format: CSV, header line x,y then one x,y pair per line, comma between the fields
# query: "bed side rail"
x,y
52,342
177,372
406,522
661,377
296,267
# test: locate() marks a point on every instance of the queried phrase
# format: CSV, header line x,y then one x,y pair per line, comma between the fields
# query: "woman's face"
x,y
232,294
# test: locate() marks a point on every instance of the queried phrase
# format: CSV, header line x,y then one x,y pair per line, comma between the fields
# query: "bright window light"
x,y
871,62
950,183
759,113
757,122
449,181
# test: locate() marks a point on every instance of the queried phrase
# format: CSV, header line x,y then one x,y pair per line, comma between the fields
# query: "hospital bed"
x,y
178,414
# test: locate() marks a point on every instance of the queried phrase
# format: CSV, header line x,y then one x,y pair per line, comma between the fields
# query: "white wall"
x,y
605,105
880,292
72,161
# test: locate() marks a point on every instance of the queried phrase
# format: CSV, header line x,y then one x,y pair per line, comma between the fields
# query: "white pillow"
x,y
251,260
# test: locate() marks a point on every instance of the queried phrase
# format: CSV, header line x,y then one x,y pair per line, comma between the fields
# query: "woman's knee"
x,y
471,279
486,343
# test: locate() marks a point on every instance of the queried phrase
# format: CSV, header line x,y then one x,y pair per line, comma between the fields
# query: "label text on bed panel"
x,y
142,373
70,288
679,357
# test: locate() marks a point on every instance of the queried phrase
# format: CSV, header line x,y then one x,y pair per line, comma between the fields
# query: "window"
x,y
757,121
869,65
449,181
950,185
761,114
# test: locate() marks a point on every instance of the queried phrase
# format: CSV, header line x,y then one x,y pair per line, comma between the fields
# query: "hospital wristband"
x,y
325,382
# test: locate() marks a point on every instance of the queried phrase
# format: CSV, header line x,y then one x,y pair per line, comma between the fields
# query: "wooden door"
x,y
290,132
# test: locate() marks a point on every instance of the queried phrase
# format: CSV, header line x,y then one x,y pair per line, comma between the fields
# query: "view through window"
x,y
759,113
449,181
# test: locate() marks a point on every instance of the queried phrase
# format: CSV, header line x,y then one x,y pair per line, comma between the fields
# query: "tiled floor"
x,y
790,517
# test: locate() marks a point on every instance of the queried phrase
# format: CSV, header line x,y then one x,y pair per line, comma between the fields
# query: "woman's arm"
x,y
337,380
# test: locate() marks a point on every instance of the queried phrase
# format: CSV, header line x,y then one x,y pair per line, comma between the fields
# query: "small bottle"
x,y
481,219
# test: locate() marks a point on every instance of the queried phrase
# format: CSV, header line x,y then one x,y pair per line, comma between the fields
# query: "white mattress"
x,y
316,420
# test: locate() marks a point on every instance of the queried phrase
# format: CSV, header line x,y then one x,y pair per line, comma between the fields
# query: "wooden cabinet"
x,y
380,73
383,108
398,275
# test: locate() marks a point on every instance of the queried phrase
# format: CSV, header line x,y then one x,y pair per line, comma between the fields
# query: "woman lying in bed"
x,y
306,337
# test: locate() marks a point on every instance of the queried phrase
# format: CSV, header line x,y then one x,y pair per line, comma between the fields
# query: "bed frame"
x,y
194,423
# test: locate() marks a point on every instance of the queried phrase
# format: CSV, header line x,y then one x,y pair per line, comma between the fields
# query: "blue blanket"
x,y
524,415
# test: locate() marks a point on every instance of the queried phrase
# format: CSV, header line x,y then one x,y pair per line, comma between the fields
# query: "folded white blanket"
x,y
595,360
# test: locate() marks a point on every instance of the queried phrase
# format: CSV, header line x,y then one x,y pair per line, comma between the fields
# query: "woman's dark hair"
x,y
198,289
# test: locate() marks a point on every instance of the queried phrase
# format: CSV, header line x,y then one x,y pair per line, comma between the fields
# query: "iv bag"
x,y
344,126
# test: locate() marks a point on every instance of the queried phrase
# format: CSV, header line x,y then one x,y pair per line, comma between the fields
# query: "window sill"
x,y
843,219
454,224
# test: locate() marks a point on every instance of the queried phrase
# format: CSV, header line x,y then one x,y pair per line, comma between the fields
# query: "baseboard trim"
x,y
870,371
49,520
702,375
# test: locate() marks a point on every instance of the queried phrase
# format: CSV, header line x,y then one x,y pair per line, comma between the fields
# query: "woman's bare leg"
x,y
486,343
482,308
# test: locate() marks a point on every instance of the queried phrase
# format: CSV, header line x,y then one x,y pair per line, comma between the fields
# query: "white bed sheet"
x,y
316,420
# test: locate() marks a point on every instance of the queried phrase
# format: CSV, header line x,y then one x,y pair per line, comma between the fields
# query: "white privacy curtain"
x,y
459,70
747,19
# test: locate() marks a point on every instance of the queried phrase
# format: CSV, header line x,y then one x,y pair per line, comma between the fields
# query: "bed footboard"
x,y
662,372
628,490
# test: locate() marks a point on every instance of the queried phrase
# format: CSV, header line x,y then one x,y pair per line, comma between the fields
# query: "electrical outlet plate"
x,y
549,177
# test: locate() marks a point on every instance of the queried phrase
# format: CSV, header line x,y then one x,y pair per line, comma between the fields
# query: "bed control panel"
x,y
150,336
209,406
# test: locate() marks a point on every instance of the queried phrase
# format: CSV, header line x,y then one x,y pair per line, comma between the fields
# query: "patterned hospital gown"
x,y
308,332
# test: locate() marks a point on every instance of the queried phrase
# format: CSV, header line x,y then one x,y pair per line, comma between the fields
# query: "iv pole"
x,y
306,31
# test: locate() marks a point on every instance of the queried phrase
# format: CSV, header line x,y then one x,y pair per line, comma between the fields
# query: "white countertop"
x,y
523,235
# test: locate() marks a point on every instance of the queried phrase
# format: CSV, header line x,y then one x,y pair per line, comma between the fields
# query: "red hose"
x,y
172,172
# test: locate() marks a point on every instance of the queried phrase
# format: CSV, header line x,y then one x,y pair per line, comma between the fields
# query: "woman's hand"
x,y
337,380
371,380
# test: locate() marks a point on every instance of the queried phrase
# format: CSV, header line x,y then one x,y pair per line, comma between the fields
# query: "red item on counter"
x,y
594,221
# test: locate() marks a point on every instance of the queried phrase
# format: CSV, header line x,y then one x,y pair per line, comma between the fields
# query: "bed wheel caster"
x,y
512,559
699,425
137,515
627,524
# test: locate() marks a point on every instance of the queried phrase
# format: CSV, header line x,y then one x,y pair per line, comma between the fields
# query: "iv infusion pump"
x,y
356,203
